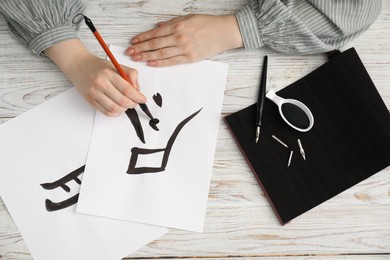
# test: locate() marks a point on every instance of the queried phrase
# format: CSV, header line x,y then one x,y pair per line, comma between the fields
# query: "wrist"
x,y
67,55
231,32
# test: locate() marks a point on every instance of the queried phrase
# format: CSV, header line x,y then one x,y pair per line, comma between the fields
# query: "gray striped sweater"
x,y
292,26
305,26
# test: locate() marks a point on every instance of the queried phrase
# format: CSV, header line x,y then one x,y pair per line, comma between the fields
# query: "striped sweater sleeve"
x,y
305,26
41,24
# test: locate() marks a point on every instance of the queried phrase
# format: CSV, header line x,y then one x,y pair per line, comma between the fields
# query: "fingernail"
x,y
130,52
136,57
134,41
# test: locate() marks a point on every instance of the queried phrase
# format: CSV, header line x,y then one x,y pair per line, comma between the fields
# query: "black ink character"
x,y
135,151
153,123
157,99
134,119
53,206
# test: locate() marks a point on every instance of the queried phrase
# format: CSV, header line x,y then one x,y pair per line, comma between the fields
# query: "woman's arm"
x,y
46,27
291,26
40,24
311,26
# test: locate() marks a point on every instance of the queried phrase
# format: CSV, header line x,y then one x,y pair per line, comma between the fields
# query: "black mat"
x,y
349,142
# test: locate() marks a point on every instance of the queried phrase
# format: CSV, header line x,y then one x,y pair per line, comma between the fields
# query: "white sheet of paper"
x,y
41,146
177,195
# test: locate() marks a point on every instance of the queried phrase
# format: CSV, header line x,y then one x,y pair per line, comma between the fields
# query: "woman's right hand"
x,y
97,79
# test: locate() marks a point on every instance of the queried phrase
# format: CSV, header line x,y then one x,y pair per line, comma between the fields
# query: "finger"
x,y
114,102
150,45
118,98
169,62
133,76
126,89
160,54
157,32
107,106
153,33
103,110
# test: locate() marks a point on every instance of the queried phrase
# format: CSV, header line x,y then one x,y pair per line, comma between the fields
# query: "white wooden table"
x,y
240,223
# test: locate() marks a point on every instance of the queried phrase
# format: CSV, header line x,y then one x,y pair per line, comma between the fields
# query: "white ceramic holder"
x,y
279,101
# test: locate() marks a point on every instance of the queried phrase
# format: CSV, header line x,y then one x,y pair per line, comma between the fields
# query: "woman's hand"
x,y
97,79
186,39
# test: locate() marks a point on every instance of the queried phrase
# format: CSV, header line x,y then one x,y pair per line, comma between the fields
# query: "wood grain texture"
x,y
240,223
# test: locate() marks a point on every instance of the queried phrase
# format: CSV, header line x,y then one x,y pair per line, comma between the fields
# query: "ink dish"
x,y
295,115
293,112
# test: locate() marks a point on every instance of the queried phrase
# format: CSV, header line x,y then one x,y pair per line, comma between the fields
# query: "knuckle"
x,y
190,54
122,102
127,91
97,85
154,43
154,33
178,26
106,70
90,99
181,38
113,109
174,60
162,53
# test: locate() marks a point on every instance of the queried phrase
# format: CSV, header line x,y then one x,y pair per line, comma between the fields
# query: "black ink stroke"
x,y
135,151
53,206
153,123
157,99
62,182
134,119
